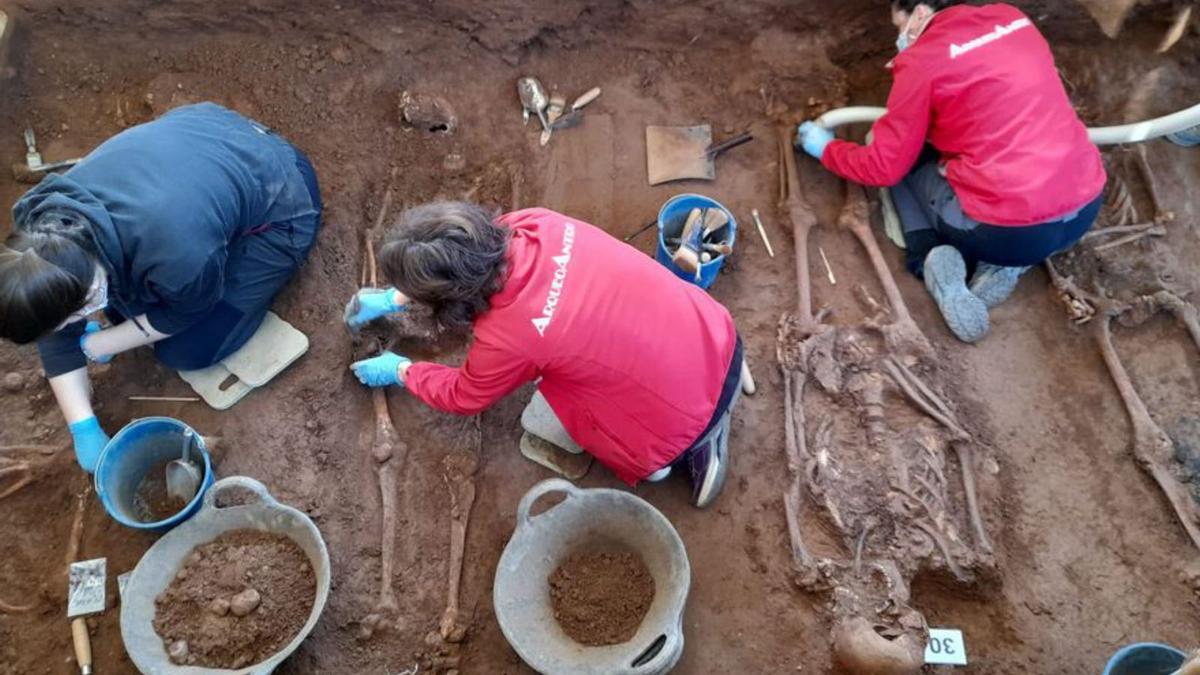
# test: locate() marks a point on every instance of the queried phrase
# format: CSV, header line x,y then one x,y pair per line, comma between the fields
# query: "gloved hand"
x,y
813,138
380,371
90,441
92,327
369,304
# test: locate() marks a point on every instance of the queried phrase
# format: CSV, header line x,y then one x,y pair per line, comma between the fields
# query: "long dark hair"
x,y
448,255
46,271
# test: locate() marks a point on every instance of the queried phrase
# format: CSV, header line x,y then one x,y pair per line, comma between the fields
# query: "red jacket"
x,y
630,358
980,84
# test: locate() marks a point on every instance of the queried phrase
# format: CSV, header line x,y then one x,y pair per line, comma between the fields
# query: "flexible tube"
x,y
1124,133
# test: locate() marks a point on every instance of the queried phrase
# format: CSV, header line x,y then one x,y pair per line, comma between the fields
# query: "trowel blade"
x,y
85,587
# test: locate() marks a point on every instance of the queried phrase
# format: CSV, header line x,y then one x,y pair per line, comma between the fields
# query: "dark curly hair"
x,y
46,271
935,5
448,255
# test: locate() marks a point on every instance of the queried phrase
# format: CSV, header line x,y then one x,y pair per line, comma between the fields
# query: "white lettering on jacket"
x,y
560,276
988,38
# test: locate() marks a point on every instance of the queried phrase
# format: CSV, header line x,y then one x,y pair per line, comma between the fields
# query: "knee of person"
x,y
181,355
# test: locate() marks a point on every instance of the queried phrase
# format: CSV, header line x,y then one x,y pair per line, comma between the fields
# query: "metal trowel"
x,y
85,596
534,99
183,477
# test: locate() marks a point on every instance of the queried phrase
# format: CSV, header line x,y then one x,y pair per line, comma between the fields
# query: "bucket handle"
x,y
244,482
538,491
660,652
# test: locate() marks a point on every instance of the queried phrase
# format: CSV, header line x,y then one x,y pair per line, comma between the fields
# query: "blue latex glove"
x,y
369,304
381,371
813,138
92,327
90,441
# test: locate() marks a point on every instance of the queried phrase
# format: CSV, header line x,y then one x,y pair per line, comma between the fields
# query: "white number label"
x,y
946,647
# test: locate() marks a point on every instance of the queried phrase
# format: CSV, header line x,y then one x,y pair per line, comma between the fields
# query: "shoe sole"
x,y
714,480
997,287
946,280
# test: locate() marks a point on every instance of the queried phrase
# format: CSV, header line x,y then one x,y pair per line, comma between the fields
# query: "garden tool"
x,y
34,169
183,476
85,596
687,256
679,153
534,99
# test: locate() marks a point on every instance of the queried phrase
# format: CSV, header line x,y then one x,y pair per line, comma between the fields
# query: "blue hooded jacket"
x,y
164,201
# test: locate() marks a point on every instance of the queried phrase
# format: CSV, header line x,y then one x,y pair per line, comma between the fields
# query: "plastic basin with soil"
x,y
235,601
591,544
235,589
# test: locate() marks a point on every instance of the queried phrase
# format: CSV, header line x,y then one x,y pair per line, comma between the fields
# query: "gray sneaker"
x,y
993,284
946,279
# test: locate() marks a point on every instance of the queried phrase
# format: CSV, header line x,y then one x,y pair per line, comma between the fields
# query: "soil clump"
x,y
601,598
236,600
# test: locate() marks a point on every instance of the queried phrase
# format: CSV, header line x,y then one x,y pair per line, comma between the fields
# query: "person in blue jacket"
x,y
182,230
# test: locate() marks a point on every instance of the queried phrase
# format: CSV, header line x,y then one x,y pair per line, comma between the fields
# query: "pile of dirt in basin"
x,y
236,600
601,598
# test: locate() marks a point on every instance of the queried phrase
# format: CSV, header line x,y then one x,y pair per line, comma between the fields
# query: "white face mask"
x,y
97,299
918,20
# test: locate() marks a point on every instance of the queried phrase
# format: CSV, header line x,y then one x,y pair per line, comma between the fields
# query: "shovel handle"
x,y
740,139
641,230
83,644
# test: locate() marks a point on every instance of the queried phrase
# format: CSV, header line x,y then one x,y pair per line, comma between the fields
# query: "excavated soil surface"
x,y
1088,554
236,600
601,598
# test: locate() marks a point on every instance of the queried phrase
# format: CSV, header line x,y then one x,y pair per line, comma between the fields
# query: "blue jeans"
x,y
932,216
260,264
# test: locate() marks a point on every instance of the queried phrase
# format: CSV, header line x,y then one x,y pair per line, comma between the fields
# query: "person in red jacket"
x,y
639,368
1008,177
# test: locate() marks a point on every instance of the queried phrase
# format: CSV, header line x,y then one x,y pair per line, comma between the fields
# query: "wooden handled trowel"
x,y
85,596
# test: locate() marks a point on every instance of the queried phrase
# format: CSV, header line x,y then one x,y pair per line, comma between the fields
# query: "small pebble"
x,y
245,602
14,382
178,651
219,606
341,54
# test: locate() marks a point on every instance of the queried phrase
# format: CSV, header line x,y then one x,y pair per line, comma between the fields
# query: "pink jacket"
x,y
980,84
630,358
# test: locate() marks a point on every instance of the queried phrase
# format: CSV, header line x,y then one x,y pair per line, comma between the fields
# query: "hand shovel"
x,y
183,477
85,596
679,153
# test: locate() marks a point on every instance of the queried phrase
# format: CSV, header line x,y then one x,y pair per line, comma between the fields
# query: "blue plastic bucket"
x,y
671,219
142,446
1145,658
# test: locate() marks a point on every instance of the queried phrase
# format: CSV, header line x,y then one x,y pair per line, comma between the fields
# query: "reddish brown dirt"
x,y
236,600
1088,553
152,502
601,598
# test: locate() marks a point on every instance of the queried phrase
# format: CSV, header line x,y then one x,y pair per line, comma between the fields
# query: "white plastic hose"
x,y
1125,133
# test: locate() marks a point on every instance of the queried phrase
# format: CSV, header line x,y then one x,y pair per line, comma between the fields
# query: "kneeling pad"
x,y
275,346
